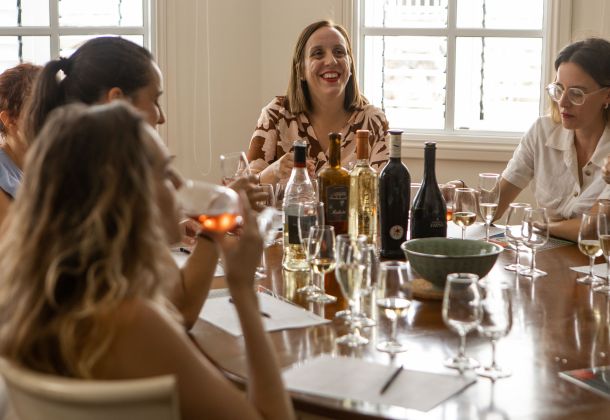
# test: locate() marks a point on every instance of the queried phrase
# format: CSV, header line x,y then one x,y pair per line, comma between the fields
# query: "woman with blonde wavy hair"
x,y
84,268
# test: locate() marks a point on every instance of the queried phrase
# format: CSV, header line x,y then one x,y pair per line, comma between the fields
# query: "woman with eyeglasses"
x,y
563,153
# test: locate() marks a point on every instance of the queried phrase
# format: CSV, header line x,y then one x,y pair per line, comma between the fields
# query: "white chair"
x,y
36,396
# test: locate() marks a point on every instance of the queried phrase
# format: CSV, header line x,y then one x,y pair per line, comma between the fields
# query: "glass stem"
x,y
591,262
533,264
463,232
320,281
608,271
393,330
462,351
487,231
494,366
517,256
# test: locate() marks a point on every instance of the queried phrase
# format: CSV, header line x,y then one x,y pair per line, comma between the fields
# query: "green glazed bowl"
x,y
434,258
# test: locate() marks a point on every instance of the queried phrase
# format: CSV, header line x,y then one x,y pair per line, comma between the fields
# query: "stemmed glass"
x,y
514,220
603,231
362,241
233,165
215,207
496,322
489,195
369,279
393,300
270,221
349,271
321,252
588,243
462,313
309,214
465,208
535,233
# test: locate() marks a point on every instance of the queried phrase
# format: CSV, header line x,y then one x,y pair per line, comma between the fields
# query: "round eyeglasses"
x,y
576,96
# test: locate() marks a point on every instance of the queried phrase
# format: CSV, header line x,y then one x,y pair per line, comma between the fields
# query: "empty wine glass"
x,y
321,252
233,165
496,322
348,271
462,313
489,195
393,300
448,193
603,232
369,278
514,220
308,216
341,240
464,208
535,233
215,207
588,243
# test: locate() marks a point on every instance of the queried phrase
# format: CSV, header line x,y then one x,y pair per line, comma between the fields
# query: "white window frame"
x,y
54,30
464,144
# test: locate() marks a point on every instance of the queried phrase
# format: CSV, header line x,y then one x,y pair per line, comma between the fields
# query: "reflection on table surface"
x,y
557,325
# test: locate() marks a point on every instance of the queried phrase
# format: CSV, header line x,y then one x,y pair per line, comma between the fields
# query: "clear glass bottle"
x,y
298,190
363,194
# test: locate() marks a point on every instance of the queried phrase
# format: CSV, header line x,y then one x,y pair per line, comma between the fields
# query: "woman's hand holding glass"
x,y
535,233
234,165
514,221
462,313
465,208
393,300
588,243
489,195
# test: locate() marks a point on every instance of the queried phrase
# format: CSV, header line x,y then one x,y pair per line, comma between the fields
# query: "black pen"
x,y
265,314
390,380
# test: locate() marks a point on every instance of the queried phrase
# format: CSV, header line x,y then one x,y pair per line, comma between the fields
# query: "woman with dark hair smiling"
x,y
322,97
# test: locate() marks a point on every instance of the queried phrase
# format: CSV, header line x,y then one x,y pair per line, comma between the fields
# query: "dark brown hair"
x,y
96,67
298,98
15,86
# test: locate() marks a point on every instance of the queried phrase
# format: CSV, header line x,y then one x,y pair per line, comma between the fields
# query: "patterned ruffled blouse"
x,y
277,129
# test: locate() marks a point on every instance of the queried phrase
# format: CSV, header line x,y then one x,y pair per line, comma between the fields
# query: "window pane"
x,y
406,13
406,76
32,13
34,49
493,91
100,13
500,14
69,44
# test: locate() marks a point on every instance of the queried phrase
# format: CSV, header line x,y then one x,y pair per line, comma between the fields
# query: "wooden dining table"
x,y
558,325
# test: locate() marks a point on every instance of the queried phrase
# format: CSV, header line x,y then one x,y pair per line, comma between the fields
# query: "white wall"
x,y
250,50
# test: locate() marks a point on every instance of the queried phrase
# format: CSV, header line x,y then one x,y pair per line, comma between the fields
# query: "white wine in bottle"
x,y
363,192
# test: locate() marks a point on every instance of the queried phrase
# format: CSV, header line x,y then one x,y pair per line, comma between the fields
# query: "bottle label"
x,y
395,146
397,232
336,203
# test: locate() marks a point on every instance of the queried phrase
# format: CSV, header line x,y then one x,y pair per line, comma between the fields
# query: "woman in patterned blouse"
x,y
322,97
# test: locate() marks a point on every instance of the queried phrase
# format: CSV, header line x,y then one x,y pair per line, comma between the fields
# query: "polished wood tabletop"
x,y
558,325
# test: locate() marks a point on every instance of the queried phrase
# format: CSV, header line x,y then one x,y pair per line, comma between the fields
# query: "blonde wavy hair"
x,y
82,237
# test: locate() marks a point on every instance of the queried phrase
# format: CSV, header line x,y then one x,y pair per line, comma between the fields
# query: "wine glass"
x,y
588,243
603,232
393,300
514,220
265,223
448,193
462,313
535,233
321,251
233,165
215,207
349,271
308,216
370,260
489,195
465,208
268,190
496,322
362,241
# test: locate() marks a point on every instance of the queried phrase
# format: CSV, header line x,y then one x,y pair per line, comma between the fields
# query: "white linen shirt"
x,y
546,156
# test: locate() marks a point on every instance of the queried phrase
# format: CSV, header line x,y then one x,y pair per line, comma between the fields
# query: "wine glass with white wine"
x,y
588,243
535,233
321,254
393,300
489,195
464,208
603,232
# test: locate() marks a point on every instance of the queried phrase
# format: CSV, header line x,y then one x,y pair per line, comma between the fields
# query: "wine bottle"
x,y
333,184
298,190
363,186
429,213
394,198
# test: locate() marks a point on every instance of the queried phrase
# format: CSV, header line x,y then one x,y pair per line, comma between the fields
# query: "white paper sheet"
x,y
181,257
598,270
358,379
476,231
220,312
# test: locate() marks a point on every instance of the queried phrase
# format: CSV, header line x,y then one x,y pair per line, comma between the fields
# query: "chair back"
x,y
35,396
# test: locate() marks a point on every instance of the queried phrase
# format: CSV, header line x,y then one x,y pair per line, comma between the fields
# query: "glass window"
x,y
16,49
100,13
70,43
24,13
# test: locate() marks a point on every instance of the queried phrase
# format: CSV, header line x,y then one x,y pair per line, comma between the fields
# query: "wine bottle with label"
x,y
298,190
363,197
333,184
394,199
429,213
